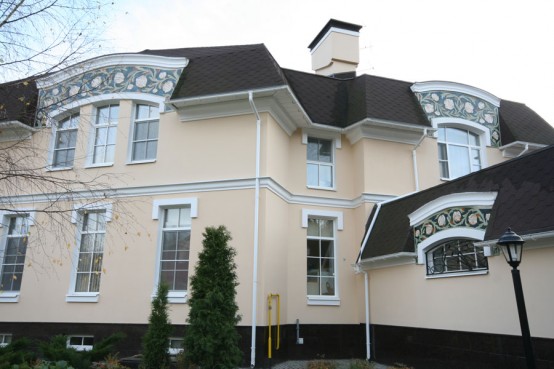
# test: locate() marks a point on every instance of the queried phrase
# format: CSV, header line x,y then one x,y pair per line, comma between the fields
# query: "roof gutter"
x,y
527,237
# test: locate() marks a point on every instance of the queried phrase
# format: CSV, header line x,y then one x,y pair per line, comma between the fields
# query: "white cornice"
x,y
385,261
518,148
15,130
387,131
456,87
484,199
112,60
195,187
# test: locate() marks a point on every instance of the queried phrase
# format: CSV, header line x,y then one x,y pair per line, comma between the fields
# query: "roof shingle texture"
x,y
525,202
18,101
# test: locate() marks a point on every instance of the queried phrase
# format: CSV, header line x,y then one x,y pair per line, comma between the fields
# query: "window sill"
x,y
141,162
84,297
176,297
58,169
99,165
10,297
460,274
322,188
323,300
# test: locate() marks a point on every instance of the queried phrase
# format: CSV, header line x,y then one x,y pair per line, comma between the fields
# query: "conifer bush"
x,y
156,340
211,339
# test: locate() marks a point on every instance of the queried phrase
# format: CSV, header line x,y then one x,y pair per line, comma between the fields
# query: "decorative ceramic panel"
x,y
439,104
466,217
114,79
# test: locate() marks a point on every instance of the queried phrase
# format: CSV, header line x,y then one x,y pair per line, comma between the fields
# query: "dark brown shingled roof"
x,y
520,123
18,101
341,103
525,202
224,69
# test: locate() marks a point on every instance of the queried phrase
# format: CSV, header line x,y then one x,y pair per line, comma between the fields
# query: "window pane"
x,y
141,131
313,248
171,218
327,227
457,136
142,112
473,139
313,149
459,161
313,266
325,151
327,248
313,286
442,152
151,149
325,176
139,151
101,136
328,286
313,227
153,130
313,175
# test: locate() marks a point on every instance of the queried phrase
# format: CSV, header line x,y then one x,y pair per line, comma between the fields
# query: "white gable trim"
x,y
484,199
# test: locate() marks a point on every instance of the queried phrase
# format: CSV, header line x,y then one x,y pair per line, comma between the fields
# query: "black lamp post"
x,y
512,248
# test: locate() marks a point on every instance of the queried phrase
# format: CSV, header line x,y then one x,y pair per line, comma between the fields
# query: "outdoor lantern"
x,y
512,247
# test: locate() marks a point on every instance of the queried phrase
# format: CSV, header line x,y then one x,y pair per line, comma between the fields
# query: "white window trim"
x,y
73,296
478,129
53,123
337,216
447,234
92,134
174,351
131,143
336,143
3,336
12,296
158,206
79,347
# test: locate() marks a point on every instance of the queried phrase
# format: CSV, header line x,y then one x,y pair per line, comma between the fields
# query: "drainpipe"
x,y
414,159
256,229
367,326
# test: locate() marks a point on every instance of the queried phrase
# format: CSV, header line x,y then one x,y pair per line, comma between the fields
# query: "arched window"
x,y
459,152
455,256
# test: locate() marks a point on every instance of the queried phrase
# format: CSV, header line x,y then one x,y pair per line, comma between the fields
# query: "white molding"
x,y
445,235
337,215
459,274
9,296
386,130
455,87
18,212
94,206
323,301
477,128
86,297
386,261
112,60
482,199
165,203
518,148
326,135
98,100
209,186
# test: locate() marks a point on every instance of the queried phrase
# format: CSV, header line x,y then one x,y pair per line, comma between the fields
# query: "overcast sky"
x,y
505,47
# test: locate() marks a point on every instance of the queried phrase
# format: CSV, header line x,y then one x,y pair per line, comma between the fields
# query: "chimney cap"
x,y
333,23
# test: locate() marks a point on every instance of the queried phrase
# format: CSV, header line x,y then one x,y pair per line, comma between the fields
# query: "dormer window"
x,y
459,152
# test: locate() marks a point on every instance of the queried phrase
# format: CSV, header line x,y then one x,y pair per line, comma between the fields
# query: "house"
x,y
128,157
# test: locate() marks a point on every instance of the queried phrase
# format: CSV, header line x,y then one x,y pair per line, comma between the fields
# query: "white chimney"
x,y
336,50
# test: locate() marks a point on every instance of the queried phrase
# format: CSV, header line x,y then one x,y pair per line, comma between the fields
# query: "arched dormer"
x,y
445,230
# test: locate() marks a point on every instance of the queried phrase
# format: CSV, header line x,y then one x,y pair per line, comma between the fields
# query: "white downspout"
x,y
367,326
256,229
414,159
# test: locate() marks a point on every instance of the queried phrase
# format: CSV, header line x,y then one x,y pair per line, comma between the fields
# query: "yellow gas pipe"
x,y
269,298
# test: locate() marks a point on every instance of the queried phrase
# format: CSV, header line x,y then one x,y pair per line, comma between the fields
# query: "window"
x,y
145,133
456,256
80,343
15,248
320,163
5,339
459,152
174,260
65,142
175,345
91,252
105,132
321,257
